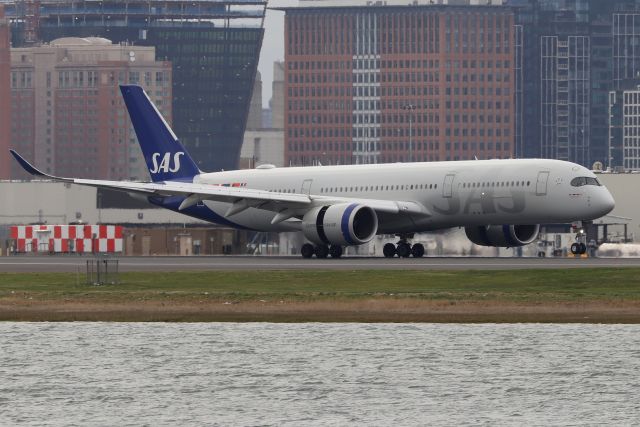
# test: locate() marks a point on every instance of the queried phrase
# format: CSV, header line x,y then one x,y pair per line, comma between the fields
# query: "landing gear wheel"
x,y
417,250
583,248
575,248
389,250
404,250
322,251
307,250
335,251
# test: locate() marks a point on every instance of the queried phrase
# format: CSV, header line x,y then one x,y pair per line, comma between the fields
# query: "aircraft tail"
x,y
165,156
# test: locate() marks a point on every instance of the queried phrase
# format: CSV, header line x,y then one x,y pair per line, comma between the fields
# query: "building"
x,y
626,48
265,144
67,113
565,98
624,126
262,146
571,54
213,46
277,99
254,120
383,83
5,96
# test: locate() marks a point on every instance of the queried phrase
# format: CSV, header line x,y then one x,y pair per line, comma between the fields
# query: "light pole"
x,y
410,108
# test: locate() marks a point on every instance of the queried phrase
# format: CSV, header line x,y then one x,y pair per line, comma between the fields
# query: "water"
x,y
318,374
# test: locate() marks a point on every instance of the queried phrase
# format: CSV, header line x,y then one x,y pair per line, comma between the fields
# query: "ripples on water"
x,y
318,374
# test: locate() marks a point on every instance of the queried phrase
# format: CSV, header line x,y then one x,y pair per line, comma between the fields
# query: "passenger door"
x,y
541,183
306,187
447,185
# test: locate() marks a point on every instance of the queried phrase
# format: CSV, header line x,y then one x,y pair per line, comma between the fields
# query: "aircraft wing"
x,y
287,205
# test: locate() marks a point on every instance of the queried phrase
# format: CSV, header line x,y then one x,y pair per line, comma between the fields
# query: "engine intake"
x,y
507,236
343,224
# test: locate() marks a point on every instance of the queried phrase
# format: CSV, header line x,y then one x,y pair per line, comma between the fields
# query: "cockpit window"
x,y
585,180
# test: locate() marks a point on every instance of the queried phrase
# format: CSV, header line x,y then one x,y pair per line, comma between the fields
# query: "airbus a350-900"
x,y
500,203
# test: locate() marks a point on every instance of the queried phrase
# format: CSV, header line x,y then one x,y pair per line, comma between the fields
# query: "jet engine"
x,y
342,224
508,236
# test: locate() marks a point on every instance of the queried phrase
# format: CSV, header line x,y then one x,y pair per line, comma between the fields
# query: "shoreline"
x,y
600,295
365,311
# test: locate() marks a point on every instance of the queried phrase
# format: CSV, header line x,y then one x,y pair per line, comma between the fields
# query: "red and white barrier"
x,y
67,238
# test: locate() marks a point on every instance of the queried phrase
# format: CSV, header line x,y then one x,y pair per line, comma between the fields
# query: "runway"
x,y
73,264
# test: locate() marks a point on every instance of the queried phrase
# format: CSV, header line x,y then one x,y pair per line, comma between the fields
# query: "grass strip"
x,y
523,286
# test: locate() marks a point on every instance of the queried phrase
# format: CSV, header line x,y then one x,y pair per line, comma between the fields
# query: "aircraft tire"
x,y
575,248
307,250
404,250
389,250
335,251
322,251
417,250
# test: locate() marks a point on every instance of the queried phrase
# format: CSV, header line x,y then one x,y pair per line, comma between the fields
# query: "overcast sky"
x,y
272,46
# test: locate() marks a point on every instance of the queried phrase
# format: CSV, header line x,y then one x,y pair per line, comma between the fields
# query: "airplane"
x,y
500,203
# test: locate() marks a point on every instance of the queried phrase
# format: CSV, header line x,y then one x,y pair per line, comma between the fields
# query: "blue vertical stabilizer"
x,y
165,156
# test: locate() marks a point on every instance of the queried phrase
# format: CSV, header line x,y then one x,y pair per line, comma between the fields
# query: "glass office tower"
x,y
214,46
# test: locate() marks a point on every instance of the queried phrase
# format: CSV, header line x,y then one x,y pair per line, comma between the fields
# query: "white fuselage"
x,y
464,193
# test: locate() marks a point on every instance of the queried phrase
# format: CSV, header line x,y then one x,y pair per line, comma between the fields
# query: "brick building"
x,y
5,98
67,113
374,84
213,46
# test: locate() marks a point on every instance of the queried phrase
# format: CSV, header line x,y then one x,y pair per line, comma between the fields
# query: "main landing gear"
x,y
403,248
321,251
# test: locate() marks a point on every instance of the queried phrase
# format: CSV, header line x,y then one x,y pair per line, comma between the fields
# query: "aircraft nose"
x,y
606,202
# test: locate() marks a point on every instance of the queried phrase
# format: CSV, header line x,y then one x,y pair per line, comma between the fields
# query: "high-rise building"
x,y
626,47
380,83
564,98
67,112
624,126
571,53
277,97
254,121
5,96
213,45
265,145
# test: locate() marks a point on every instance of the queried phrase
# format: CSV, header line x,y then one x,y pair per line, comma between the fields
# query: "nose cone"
x,y
605,203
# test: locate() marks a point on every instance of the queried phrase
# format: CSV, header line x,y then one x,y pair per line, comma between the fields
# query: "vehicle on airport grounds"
x,y
499,203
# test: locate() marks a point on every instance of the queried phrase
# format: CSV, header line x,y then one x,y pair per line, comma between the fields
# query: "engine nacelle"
x,y
508,236
343,224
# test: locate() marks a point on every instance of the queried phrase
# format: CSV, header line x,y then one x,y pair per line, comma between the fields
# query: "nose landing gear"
x,y
403,248
579,247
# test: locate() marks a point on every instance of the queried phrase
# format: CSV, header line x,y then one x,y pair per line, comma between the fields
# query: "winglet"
x,y
32,169
26,165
